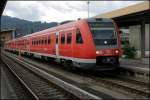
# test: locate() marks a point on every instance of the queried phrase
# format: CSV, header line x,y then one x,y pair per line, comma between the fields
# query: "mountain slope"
x,y
24,27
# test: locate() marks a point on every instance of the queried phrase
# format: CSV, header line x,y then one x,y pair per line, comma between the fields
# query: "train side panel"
x,y
84,49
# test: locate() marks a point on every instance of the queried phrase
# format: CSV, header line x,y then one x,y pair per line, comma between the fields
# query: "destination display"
x,y
100,24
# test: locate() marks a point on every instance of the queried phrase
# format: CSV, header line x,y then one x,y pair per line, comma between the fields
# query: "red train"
x,y
83,43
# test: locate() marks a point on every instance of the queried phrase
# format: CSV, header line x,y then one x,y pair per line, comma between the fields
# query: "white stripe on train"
x,y
81,60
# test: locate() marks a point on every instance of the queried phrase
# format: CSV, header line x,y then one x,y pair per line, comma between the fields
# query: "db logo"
x,y
108,51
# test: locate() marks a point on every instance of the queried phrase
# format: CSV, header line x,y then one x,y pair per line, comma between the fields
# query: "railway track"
x,y
11,87
132,87
36,85
41,86
20,80
110,80
135,86
138,88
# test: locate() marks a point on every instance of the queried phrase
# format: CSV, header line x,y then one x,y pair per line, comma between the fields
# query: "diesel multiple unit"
x,y
83,43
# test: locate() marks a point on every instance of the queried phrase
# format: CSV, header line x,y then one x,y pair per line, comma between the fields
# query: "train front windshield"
x,y
103,33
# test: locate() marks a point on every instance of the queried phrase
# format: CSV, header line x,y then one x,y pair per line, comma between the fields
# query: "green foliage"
x,y
130,52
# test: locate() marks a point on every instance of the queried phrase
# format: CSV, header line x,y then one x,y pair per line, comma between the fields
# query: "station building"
x,y
136,19
6,35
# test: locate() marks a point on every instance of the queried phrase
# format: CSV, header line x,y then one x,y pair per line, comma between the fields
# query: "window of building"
x,y
3,38
62,38
69,37
79,39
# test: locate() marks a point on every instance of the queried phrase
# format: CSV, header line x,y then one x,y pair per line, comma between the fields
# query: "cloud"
x,y
60,10
24,10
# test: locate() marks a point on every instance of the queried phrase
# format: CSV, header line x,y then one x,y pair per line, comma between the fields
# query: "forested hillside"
x,y
24,27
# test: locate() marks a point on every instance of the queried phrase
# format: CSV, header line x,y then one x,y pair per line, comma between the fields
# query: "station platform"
x,y
134,64
135,68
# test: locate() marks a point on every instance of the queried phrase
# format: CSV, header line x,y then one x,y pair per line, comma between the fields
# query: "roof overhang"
x,y
131,15
7,30
133,19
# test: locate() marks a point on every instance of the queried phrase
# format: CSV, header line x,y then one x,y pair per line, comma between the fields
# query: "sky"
x,y
58,11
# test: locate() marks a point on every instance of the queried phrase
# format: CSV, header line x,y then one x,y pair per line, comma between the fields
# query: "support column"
x,y
142,39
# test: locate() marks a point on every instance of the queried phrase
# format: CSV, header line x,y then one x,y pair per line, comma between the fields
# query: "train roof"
x,y
63,25
66,24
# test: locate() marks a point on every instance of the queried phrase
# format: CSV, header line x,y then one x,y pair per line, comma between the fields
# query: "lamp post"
x,y
88,7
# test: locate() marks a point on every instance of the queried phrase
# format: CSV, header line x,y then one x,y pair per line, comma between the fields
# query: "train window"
x,y
62,38
32,42
69,37
78,37
39,42
49,39
57,39
42,41
45,41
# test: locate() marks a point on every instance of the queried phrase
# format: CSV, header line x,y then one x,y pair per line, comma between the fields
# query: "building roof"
x,y
6,30
125,11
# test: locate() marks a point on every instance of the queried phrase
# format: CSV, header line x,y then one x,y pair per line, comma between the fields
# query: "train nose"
x,y
107,52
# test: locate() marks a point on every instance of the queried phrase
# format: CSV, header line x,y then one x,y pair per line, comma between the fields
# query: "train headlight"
x,y
116,51
97,52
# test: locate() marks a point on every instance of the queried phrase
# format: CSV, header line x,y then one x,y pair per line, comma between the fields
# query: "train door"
x,y
69,46
74,42
28,45
78,43
56,46
25,44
